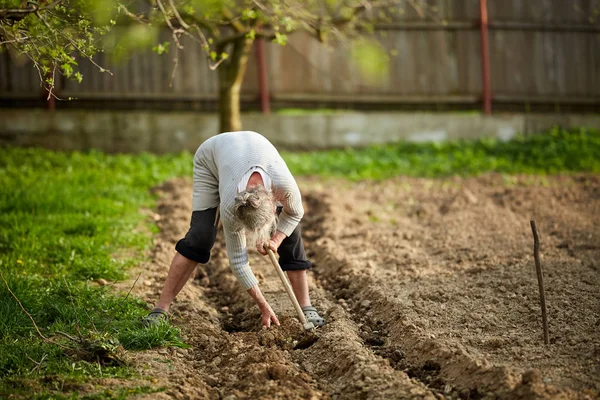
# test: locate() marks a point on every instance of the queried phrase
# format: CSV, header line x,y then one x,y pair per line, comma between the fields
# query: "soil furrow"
x,y
407,348
231,357
360,278
219,364
338,361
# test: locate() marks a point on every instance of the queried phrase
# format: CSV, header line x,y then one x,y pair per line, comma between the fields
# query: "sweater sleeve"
x,y
293,211
235,241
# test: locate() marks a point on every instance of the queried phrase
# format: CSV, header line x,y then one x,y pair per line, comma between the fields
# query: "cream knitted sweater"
x,y
219,165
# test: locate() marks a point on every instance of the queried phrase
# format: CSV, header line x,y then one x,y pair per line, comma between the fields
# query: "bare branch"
x,y
234,22
178,16
90,318
49,6
184,30
37,364
175,64
125,299
17,14
175,57
37,67
74,339
20,39
131,15
214,66
51,86
204,23
165,15
23,308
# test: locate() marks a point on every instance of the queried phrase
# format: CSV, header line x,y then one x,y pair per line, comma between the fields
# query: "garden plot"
x,y
428,286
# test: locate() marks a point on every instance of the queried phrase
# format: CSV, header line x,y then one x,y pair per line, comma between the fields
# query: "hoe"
x,y
288,288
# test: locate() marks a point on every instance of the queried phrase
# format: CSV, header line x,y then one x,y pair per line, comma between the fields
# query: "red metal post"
x,y
265,105
485,58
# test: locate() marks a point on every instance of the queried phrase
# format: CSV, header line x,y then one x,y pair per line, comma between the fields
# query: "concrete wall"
x,y
167,132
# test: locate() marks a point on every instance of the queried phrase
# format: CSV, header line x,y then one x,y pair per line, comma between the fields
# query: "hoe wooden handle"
x,y
287,286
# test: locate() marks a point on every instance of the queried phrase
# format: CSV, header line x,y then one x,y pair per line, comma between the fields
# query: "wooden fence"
x,y
543,54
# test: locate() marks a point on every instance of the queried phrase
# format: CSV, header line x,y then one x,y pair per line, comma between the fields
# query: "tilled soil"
x,y
428,286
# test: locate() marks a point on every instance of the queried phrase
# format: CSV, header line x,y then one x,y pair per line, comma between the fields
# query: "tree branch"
x,y
17,14
20,39
233,22
72,42
141,20
222,43
165,15
178,16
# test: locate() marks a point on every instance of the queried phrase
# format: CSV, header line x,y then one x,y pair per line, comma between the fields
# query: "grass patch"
x,y
295,112
553,152
63,216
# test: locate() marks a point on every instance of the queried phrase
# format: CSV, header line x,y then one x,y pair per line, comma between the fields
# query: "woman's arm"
x,y
290,198
266,311
238,259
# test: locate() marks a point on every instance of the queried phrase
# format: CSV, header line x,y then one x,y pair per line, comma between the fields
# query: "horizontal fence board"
x,y
540,51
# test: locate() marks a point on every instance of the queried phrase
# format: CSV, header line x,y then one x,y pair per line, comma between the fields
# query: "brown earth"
x,y
428,286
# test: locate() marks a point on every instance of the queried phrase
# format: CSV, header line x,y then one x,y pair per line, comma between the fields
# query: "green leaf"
x,y
161,48
67,70
248,14
280,39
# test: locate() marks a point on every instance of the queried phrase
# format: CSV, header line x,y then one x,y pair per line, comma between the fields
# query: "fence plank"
x,y
538,49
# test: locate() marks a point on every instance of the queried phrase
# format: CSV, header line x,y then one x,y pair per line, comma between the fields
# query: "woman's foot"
x,y
313,316
156,317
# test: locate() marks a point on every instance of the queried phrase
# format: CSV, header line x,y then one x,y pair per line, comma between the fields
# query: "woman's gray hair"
x,y
254,207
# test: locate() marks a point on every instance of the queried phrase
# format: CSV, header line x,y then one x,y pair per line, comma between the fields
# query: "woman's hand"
x,y
268,315
272,244
266,311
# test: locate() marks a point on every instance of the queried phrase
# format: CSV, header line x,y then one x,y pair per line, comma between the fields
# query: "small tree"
x,y
227,29
53,33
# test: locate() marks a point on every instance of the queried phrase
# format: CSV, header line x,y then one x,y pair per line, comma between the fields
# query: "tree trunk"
x,y
231,76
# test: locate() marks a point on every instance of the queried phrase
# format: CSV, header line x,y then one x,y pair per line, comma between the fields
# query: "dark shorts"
x,y
201,236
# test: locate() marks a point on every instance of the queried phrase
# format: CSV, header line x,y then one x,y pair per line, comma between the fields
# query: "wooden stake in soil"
x,y
540,277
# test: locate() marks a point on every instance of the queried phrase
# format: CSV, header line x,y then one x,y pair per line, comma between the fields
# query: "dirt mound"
x,y
428,287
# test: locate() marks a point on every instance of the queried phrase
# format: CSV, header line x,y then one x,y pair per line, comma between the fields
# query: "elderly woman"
x,y
241,178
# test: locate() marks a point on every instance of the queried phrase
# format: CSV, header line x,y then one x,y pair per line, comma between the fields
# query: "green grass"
x,y
303,111
557,151
63,217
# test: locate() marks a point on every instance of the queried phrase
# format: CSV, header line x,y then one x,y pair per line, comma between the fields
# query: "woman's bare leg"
x,y
299,286
179,273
